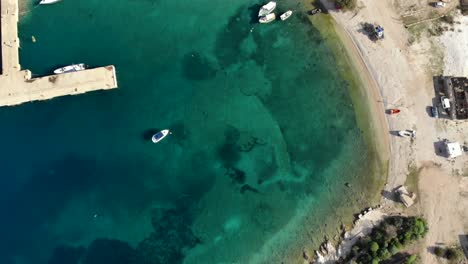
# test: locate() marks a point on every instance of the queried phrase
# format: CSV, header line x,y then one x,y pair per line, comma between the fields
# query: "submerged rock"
x,y
247,187
172,236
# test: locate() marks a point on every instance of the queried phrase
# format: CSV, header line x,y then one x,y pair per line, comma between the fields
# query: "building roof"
x,y
406,197
454,149
406,200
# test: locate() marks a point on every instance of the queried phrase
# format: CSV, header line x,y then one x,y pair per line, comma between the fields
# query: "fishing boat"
x,y
407,133
286,15
160,135
71,68
393,111
267,9
48,2
267,19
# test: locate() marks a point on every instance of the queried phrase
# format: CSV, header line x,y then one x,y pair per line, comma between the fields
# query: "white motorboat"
x,y
267,9
160,135
71,68
48,2
286,15
267,19
407,133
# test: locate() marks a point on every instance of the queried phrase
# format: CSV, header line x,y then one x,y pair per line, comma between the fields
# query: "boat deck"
x,y
17,86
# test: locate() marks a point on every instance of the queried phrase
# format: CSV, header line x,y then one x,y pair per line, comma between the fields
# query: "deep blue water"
x,y
263,137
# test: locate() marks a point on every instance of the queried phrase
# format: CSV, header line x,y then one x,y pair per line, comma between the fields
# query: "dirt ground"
x,y
403,66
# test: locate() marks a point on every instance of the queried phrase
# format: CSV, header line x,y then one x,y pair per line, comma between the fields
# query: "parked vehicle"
x,y
435,111
407,133
393,111
439,4
445,102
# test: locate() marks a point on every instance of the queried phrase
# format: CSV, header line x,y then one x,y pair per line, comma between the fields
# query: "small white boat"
x,y
407,133
160,135
286,15
48,2
267,19
267,9
71,68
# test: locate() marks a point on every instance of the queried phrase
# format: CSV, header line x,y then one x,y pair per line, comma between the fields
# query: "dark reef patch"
x,y
111,251
236,175
64,254
197,67
172,236
228,42
229,152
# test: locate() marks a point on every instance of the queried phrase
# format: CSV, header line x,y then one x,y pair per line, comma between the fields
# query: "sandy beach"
x,y
398,72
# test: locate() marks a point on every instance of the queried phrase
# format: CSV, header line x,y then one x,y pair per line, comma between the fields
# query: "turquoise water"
x,y
264,137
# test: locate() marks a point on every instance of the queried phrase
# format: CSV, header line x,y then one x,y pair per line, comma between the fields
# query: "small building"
x,y
406,197
453,149
456,89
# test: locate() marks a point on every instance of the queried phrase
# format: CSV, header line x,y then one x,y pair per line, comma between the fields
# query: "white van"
x,y
445,102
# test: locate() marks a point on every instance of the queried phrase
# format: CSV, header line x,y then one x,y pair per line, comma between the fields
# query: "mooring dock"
x,y
17,86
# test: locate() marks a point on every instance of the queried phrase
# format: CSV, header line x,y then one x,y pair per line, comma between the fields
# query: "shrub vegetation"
x,y
452,254
388,239
346,4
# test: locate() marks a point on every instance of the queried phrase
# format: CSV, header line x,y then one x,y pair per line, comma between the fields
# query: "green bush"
x,y
383,253
439,251
411,259
393,249
453,254
346,4
374,247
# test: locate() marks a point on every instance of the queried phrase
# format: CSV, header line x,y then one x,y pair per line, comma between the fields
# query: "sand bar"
x,y
17,86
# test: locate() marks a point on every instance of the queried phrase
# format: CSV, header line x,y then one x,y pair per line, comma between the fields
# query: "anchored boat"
x,y
48,2
286,15
267,9
267,19
160,135
71,68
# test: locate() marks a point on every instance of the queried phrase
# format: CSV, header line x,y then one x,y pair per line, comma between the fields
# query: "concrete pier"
x,y
17,86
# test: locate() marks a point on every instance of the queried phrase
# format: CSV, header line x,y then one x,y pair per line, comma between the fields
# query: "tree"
x,y
419,227
375,261
374,246
393,249
411,259
384,254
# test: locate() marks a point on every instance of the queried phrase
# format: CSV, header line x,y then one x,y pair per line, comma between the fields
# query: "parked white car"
x,y
445,102
439,4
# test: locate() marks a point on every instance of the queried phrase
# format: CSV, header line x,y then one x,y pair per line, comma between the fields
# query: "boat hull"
x,y
48,2
267,19
286,15
267,9
156,138
70,68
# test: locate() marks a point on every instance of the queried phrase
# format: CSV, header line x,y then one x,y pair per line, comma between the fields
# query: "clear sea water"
x,y
264,138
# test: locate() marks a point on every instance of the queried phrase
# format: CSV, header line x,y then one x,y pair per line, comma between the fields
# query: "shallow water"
x,y
264,137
